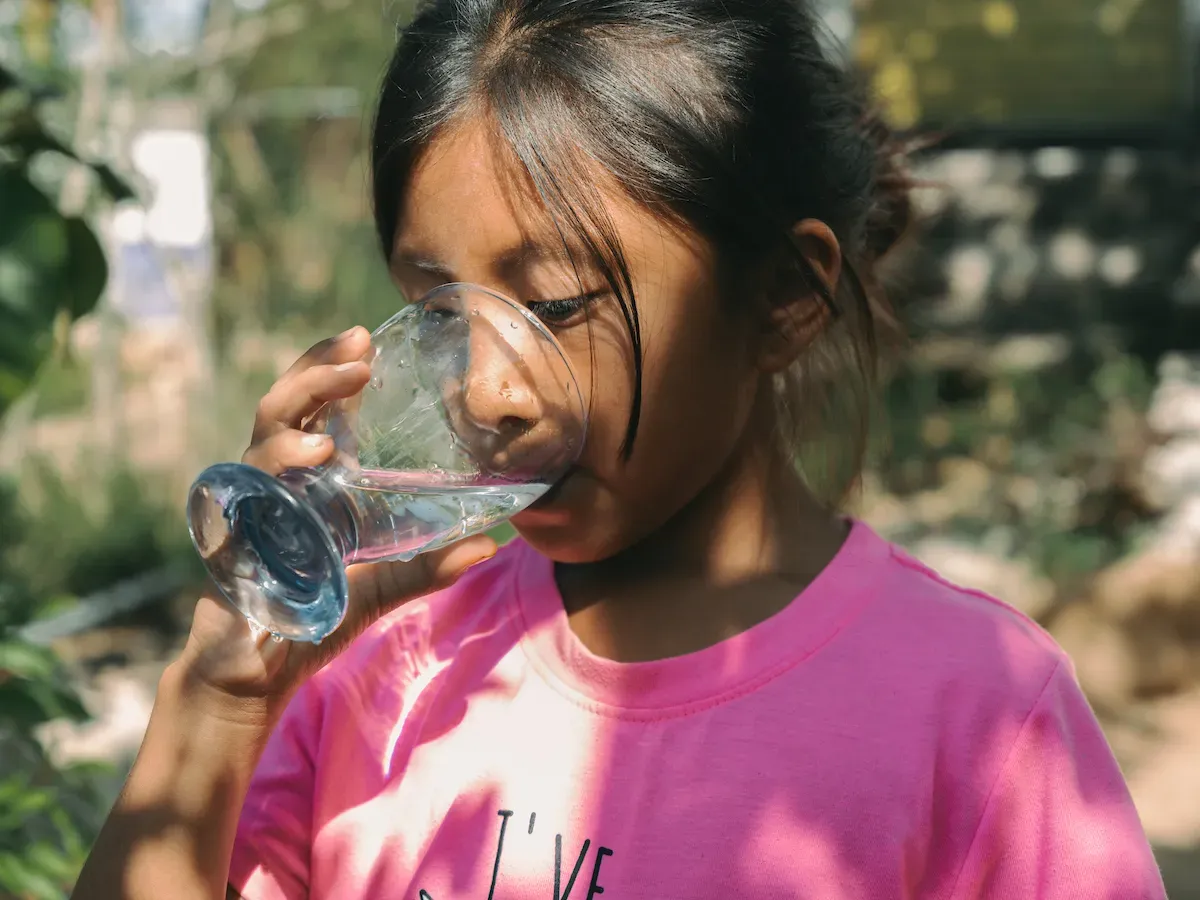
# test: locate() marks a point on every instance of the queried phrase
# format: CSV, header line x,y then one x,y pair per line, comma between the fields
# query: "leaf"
x,y
24,704
89,268
58,701
23,348
117,188
28,135
68,833
52,861
19,708
48,264
24,205
32,801
10,875
29,882
25,660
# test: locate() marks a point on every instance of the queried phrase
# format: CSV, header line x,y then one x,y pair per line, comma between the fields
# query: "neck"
x,y
749,522
737,554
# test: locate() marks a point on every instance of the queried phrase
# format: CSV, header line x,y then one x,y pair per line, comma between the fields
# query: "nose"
x,y
500,386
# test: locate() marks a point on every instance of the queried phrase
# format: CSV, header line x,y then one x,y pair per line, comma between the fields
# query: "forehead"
x,y
470,204
469,192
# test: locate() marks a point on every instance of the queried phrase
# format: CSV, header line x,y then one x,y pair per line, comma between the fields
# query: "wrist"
x,y
184,694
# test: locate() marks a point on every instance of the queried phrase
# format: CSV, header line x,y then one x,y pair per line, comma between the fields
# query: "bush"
x,y
49,814
97,533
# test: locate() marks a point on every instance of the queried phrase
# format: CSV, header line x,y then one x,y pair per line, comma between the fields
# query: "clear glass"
x,y
472,413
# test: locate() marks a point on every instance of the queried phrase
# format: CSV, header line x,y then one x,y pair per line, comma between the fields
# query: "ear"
x,y
795,313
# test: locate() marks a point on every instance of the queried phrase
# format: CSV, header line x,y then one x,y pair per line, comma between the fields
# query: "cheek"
x,y
697,392
697,397
602,356
696,401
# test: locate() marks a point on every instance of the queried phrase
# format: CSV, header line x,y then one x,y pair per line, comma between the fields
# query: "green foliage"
x,y
52,269
120,528
62,386
51,265
297,246
1045,448
48,813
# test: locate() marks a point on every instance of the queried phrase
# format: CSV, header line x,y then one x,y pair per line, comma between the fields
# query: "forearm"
x,y
172,829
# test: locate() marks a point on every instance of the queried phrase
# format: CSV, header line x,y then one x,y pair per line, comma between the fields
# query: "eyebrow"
x,y
512,260
421,262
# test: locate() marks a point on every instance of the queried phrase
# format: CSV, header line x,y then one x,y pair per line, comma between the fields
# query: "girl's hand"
x,y
222,663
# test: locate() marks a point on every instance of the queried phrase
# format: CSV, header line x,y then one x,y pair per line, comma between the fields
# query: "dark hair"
x,y
728,116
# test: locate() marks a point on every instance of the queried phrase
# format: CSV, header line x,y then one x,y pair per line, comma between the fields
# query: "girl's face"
x,y
464,221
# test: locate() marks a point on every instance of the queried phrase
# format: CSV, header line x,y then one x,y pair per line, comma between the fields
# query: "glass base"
x,y
269,552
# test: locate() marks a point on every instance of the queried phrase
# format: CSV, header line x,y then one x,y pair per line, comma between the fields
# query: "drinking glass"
x,y
471,414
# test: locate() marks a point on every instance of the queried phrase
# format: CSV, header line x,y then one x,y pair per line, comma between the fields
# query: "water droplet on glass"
x,y
277,638
376,383
474,312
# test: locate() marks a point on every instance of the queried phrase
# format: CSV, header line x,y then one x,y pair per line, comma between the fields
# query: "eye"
x,y
437,323
563,312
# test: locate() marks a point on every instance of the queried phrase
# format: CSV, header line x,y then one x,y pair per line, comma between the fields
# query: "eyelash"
x,y
552,311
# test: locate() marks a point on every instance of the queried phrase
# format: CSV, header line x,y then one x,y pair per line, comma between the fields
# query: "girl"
x,y
690,677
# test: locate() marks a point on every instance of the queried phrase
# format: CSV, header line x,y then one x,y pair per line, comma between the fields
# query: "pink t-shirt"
x,y
887,735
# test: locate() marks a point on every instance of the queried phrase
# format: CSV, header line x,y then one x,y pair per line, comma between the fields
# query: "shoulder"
x,y
962,644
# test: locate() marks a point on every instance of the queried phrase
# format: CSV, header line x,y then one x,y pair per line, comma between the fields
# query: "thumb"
x,y
379,588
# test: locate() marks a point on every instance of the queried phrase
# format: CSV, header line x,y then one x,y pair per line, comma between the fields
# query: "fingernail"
x,y
478,562
345,334
316,440
346,367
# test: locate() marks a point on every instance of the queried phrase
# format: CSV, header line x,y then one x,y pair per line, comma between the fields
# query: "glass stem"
x,y
322,490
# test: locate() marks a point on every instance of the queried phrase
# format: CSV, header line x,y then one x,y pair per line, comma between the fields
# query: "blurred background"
x,y
183,209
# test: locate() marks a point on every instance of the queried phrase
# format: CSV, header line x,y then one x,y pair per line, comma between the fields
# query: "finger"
x,y
289,450
294,399
379,588
348,346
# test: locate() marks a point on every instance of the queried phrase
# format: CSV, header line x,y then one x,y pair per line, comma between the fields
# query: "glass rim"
x,y
529,317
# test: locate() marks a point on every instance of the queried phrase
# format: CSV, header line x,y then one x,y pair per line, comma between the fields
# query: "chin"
x,y
565,525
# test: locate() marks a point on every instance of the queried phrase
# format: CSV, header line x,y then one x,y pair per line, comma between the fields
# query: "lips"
x,y
552,495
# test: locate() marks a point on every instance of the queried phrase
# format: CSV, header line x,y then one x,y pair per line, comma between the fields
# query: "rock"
x,y
1175,407
969,271
1155,578
1162,771
1121,264
121,700
1053,163
1120,165
1028,353
1105,661
1073,255
963,170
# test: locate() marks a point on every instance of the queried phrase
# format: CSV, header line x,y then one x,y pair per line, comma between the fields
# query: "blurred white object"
x,y
175,162
1175,408
165,26
1172,470
162,253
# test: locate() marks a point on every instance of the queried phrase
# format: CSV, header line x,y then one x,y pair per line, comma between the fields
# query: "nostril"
x,y
515,425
